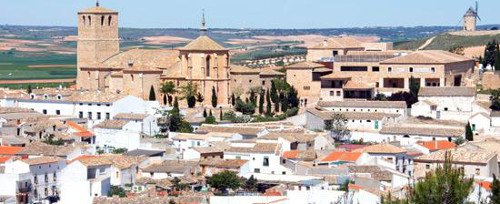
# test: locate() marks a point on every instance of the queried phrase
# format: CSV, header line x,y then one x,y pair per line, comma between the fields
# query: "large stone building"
x,y
101,65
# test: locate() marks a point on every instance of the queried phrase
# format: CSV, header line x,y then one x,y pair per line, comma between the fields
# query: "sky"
x,y
292,14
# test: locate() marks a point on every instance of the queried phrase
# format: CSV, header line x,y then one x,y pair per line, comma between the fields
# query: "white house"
x,y
94,105
170,169
356,121
480,122
184,141
387,155
264,158
38,178
111,134
143,123
298,141
394,107
447,103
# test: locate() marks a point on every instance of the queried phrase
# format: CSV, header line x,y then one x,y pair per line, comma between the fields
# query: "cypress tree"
x,y
274,93
495,190
268,101
469,135
253,97
214,97
261,101
204,113
29,89
220,113
152,94
284,103
497,60
293,99
210,114
233,99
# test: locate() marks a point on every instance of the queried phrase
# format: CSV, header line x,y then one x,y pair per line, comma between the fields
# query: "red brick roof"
x,y
485,184
9,150
3,159
437,145
342,156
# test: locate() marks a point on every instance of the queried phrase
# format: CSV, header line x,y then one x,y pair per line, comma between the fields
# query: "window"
x,y
238,157
306,87
257,170
433,69
332,93
353,69
250,81
107,116
478,171
263,83
338,93
45,96
89,104
35,179
81,104
80,114
284,172
59,97
90,21
207,62
335,53
98,104
46,178
389,69
89,115
58,112
44,111
411,69
98,115
445,109
266,161
54,176
375,69
109,21
102,20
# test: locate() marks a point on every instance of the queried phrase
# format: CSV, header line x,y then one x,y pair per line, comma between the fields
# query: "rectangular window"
x,y
375,69
353,69
107,116
89,115
80,114
266,161
257,170
44,111
98,115
263,83
478,171
58,112
338,93
306,87
427,166
332,93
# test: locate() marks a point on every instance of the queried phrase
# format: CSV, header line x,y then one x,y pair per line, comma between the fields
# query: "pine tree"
x,y
152,94
495,190
261,101
414,86
268,101
277,102
469,135
214,97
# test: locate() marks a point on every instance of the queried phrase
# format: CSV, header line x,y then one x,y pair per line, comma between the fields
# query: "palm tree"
x,y
167,89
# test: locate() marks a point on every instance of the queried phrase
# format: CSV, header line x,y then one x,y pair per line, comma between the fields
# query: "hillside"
x,y
472,42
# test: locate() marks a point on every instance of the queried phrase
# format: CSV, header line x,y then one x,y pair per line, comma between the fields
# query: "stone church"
x,y
101,65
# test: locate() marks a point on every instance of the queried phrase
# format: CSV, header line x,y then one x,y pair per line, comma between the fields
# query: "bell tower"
x,y
97,41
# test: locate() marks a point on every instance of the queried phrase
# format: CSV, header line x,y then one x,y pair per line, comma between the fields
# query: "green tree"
x,y
210,120
293,98
51,141
29,89
495,191
220,114
284,102
188,92
251,184
233,99
214,97
490,53
253,97
176,121
244,107
224,180
469,135
168,88
205,113
261,102
338,127
268,105
497,60
116,190
152,94
495,99
414,86
200,98
119,151
274,93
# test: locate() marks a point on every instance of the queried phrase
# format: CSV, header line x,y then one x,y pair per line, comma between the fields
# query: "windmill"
x,y
471,17
477,11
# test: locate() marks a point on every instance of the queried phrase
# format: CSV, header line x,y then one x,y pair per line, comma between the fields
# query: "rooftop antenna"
x,y
203,28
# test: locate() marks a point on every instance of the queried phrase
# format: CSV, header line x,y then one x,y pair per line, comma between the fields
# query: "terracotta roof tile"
x,y
427,57
459,155
305,65
338,156
223,163
447,91
112,124
9,150
203,43
306,155
381,149
41,160
98,9
437,145
339,43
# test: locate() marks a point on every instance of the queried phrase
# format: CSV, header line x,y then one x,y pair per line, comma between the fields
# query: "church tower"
x,y
97,40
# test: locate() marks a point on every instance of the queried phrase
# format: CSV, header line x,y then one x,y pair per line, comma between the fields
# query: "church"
x,y
103,67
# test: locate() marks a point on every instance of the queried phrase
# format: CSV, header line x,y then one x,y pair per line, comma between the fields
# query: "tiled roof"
x,y
362,104
437,145
111,124
203,43
339,43
447,91
6,110
119,161
342,156
40,148
485,184
41,160
236,69
190,136
258,148
205,128
171,166
130,116
351,84
4,159
328,115
459,155
306,155
291,137
270,72
427,57
80,131
350,147
142,58
306,65
98,9
381,149
223,163
426,131
495,114
9,150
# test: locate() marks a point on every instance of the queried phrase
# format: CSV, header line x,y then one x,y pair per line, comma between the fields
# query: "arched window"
x,y
389,69
84,20
411,69
102,20
207,67
433,69
90,21
109,21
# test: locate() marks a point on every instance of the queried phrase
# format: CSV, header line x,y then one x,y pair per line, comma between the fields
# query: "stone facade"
x,y
491,80
101,65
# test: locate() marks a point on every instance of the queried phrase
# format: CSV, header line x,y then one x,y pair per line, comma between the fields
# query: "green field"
x,y
447,42
15,65
36,85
